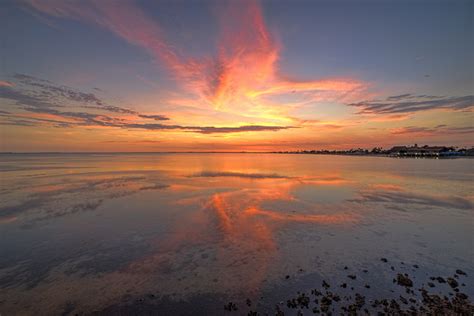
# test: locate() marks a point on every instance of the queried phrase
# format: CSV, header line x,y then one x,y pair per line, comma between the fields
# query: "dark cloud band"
x,y
43,97
408,103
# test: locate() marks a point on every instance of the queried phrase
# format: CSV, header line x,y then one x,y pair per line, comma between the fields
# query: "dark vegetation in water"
x,y
326,299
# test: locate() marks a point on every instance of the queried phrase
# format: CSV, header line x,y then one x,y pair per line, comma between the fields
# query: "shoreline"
x,y
238,152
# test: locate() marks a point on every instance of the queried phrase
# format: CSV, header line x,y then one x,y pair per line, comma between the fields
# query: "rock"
x,y
461,296
384,260
230,307
452,282
326,285
287,277
316,292
326,301
343,285
460,272
431,284
404,280
367,286
248,302
279,312
441,280
291,303
415,266
303,300
359,300
394,305
352,276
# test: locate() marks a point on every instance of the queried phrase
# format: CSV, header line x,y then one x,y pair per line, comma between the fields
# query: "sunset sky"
x,y
234,75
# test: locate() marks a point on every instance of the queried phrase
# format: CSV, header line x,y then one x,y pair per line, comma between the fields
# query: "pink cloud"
x,y
242,74
6,84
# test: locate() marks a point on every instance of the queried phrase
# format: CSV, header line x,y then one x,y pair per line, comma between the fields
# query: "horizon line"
x,y
199,152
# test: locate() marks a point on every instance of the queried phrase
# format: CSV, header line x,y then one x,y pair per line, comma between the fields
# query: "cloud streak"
x,y
408,103
45,101
6,84
208,129
431,131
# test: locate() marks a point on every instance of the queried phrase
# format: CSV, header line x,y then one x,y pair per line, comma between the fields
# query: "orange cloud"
x,y
6,84
387,118
238,80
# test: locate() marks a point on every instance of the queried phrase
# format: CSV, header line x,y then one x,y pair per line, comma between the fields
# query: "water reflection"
x,y
92,231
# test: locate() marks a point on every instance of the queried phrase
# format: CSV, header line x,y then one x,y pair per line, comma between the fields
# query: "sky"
x,y
234,75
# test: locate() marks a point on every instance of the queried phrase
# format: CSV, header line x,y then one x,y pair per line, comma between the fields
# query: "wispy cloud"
x,y
243,128
408,103
154,117
239,78
49,99
207,129
48,89
6,83
50,94
430,131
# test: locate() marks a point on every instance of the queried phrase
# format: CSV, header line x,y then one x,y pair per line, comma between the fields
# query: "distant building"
x,y
425,151
469,152
398,151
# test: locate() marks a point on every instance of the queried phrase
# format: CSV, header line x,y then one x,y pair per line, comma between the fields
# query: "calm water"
x,y
84,233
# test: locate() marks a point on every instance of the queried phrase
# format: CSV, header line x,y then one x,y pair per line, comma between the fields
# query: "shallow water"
x,y
81,233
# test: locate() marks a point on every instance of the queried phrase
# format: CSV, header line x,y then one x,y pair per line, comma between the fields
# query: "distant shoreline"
x,y
234,152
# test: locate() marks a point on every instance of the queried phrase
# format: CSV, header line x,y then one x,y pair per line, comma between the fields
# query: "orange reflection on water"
x,y
327,180
8,219
240,227
315,218
250,227
235,213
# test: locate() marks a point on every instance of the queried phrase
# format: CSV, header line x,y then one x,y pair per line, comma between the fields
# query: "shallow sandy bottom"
x,y
190,233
